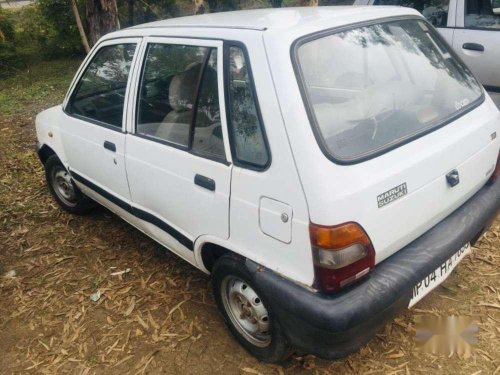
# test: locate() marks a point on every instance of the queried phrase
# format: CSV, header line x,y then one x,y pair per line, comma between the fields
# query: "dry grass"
x,y
160,316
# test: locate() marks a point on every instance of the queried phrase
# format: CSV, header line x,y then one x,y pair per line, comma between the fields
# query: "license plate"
x,y
437,276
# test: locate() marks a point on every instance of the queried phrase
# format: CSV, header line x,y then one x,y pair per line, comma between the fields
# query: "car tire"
x,y
63,189
237,296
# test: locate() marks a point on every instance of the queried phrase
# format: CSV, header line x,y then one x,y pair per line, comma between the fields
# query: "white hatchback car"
x,y
328,166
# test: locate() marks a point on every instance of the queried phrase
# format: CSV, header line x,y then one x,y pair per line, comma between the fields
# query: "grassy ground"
x,y
160,317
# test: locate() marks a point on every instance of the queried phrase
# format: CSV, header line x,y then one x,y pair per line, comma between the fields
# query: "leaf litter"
x,y
160,317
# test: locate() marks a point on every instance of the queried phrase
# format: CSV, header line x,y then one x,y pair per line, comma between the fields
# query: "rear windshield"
x,y
371,88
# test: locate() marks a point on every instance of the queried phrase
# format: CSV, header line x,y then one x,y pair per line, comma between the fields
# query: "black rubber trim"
x,y
332,326
141,214
312,117
110,197
146,216
492,88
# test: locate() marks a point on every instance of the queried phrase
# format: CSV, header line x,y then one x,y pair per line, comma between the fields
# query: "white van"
x,y
328,166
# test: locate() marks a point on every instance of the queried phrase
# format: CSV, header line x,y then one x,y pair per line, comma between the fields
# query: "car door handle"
x,y
204,182
109,146
473,47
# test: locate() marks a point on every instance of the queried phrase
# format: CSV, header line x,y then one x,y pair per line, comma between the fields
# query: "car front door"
x,y
177,158
92,127
477,40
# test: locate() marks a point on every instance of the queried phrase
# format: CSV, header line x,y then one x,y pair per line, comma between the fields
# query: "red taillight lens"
x,y
496,173
342,254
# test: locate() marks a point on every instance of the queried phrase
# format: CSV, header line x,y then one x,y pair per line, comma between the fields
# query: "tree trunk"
x,y
78,20
201,7
102,18
130,12
308,3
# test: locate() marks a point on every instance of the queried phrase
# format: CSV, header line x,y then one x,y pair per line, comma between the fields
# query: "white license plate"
x,y
437,276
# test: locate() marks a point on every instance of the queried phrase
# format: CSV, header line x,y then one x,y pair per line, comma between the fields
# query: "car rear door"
x,y
178,164
92,126
477,40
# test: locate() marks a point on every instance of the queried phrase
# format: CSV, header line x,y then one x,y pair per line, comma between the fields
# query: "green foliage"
x,y
64,38
147,10
8,56
34,33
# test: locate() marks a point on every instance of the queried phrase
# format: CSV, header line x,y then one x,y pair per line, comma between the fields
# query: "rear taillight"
x,y
342,254
496,173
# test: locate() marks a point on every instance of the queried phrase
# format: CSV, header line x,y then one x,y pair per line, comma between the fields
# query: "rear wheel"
x,y
63,189
246,312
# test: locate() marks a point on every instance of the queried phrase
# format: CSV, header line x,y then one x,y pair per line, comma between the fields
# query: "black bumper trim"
x,y
332,326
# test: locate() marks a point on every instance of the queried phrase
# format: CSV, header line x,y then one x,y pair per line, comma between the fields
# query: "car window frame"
x,y
241,163
312,117
135,99
83,68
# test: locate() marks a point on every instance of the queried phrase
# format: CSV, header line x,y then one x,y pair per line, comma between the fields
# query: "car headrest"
x,y
183,87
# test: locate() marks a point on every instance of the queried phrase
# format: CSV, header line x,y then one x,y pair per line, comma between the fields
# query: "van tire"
x,y
64,190
272,347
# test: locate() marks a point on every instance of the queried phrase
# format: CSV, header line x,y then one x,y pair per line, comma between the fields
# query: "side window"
x,y
482,14
178,90
246,129
436,11
207,139
101,91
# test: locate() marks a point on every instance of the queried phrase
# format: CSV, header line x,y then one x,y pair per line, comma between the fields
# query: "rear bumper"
x,y
334,326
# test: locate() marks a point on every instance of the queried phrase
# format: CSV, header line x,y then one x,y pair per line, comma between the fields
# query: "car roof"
x,y
276,18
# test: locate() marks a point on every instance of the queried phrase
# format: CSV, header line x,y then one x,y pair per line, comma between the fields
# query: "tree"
x,y
308,3
130,8
79,24
102,18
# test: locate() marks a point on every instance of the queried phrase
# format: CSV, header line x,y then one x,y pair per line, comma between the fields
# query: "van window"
x,y
482,14
371,88
436,11
100,93
249,143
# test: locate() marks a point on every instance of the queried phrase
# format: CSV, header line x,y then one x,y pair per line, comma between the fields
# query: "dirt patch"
x,y
160,316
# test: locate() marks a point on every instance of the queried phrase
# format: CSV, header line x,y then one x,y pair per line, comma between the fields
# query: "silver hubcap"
x,y
63,186
246,311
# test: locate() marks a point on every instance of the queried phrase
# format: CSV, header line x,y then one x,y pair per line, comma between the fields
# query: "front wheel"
x,y
246,313
63,189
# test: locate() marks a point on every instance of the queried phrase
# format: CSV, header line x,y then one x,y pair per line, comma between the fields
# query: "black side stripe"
x,y
143,215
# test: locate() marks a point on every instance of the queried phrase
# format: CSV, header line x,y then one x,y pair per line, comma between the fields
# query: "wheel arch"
x,y
44,152
210,249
